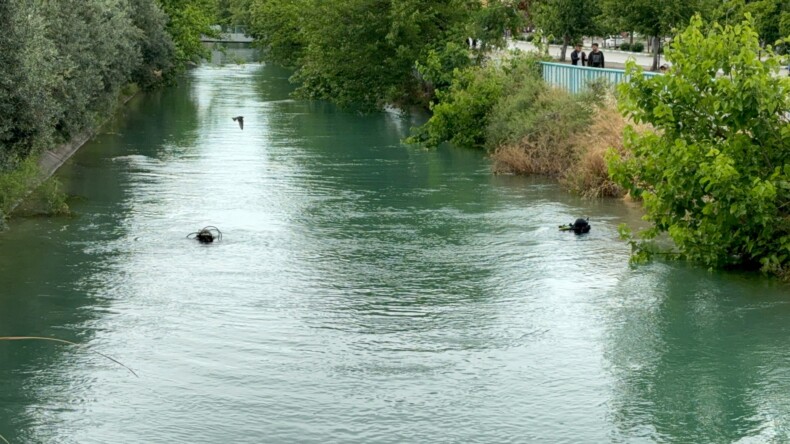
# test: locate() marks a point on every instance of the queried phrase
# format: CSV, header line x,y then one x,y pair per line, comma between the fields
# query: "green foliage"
x,y
625,46
636,47
15,182
768,15
530,37
64,63
489,23
46,199
463,112
157,49
96,54
364,52
439,66
652,18
461,115
715,175
277,27
63,66
188,20
531,109
569,20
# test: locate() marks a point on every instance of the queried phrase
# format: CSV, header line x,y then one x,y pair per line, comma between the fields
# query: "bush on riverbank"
x,y
371,54
715,176
464,109
528,126
568,139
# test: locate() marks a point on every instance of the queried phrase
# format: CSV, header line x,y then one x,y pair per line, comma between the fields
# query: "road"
x,y
614,59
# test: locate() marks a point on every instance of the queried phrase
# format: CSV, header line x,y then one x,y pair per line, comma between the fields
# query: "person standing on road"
x,y
578,56
595,58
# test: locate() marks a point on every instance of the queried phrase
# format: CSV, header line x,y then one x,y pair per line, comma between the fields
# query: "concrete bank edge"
x,y
52,159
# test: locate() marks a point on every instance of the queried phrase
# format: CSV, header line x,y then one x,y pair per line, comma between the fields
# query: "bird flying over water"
x,y
239,119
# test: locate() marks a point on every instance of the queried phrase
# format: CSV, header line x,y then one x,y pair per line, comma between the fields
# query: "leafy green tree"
x,y
155,44
571,19
654,18
96,53
768,17
715,174
188,21
277,26
27,77
438,69
364,52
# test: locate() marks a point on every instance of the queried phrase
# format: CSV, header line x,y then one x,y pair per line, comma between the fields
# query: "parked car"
x,y
612,41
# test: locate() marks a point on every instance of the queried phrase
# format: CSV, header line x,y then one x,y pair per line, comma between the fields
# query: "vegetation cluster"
x,y
715,175
369,53
64,65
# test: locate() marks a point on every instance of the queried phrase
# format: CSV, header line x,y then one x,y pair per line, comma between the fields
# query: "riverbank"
x,y
529,127
19,184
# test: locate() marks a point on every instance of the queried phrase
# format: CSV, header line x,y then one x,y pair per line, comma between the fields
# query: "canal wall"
x,y
52,159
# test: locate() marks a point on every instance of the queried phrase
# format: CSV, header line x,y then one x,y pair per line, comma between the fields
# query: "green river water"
x,y
364,292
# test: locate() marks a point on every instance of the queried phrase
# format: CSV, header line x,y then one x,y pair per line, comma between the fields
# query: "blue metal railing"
x,y
575,78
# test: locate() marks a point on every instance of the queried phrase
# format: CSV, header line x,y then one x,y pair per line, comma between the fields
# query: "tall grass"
x,y
589,174
23,193
547,131
16,181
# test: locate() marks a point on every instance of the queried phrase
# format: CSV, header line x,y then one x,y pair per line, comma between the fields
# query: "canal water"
x,y
363,292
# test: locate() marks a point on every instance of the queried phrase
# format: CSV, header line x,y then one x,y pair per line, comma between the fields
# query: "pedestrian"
x,y
595,58
578,56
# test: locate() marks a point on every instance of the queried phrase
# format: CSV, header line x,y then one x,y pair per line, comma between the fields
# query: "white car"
x,y
612,41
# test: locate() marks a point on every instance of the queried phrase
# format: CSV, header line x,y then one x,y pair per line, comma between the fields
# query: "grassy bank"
x,y
528,127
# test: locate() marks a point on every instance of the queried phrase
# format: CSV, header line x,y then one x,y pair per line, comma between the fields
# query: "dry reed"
x,y
574,155
589,176
63,341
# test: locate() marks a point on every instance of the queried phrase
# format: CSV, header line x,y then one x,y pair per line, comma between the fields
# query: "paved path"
x,y
614,59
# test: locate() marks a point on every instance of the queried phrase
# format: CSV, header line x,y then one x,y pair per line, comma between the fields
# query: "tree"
x,y
715,174
364,52
571,19
654,18
767,14
277,26
188,21
156,45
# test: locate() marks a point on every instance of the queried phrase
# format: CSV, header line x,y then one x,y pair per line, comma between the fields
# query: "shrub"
x,y
625,46
715,175
589,175
16,182
530,37
638,47
463,112
539,131
437,70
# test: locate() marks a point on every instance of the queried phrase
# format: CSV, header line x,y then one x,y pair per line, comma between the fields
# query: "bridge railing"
x,y
574,78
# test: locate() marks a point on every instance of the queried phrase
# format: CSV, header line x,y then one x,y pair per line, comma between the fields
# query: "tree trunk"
x,y
631,34
655,54
565,41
